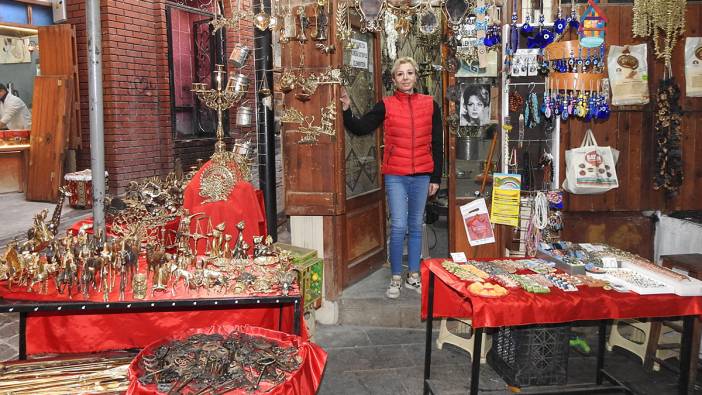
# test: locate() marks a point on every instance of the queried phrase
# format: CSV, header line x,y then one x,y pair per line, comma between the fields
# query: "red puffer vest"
x,y
407,129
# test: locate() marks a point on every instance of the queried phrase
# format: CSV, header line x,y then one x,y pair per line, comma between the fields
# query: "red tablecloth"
x,y
63,333
180,292
303,381
452,299
244,203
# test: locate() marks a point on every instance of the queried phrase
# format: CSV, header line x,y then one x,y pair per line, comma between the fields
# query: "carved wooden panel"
x,y
364,236
59,57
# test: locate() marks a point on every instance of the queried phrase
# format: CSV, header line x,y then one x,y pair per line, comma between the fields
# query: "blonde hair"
x,y
404,60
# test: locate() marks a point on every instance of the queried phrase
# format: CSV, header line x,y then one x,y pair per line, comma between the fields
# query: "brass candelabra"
x,y
222,97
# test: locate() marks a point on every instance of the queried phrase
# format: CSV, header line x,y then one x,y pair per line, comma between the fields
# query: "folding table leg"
x,y
22,336
685,355
601,340
430,327
475,361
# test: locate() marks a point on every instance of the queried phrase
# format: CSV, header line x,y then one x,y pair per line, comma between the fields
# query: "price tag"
x,y
459,257
610,263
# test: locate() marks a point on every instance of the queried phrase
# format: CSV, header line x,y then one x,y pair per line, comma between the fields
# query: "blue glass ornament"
x,y
559,26
573,22
546,37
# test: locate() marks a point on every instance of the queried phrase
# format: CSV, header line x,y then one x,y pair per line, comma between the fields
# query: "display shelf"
x,y
25,307
592,305
32,306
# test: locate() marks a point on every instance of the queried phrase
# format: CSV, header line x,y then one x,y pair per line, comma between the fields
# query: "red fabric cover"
x,y
452,299
407,131
180,292
244,203
65,333
304,381
62,333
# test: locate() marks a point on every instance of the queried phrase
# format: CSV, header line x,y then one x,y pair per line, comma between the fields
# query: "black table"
x,y
600,374
25,307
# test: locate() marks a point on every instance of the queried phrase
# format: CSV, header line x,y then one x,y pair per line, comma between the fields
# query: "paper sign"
x,y
505,198
459,257
359,54
476,220
693,66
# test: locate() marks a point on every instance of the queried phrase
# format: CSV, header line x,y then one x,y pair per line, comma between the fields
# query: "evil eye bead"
x,y
559,26
527,28
546,37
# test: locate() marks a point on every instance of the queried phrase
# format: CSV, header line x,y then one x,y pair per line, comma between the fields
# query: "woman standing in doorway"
x,y
412,163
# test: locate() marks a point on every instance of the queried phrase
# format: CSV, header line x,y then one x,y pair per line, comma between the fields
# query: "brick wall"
x,y
138,132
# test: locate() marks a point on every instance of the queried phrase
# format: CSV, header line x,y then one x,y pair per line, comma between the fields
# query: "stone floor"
x,y
368,360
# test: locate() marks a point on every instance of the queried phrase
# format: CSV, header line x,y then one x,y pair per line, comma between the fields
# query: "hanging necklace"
x,y
660,17
669,172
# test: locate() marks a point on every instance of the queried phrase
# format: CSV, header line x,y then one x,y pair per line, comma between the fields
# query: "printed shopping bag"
x,y
590,168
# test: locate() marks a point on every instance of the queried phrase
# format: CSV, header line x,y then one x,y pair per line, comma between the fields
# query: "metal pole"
x,y
97,135
263,42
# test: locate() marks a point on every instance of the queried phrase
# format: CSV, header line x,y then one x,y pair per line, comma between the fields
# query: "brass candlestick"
x,y
222,98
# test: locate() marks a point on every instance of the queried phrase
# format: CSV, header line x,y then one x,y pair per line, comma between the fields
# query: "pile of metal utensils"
x,y
94,375
215,364
138,225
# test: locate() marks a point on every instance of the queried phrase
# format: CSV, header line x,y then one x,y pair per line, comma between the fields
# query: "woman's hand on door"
x,y
344,99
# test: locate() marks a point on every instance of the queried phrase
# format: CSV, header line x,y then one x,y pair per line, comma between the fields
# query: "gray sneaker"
x,y
413,282
393,291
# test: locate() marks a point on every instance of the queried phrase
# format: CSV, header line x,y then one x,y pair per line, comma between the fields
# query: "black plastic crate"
x,y
531,355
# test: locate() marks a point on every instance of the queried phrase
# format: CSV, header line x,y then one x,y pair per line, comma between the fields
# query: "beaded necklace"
x,y
669,172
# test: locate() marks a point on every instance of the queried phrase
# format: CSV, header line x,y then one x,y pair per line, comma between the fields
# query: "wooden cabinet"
x,y
13,162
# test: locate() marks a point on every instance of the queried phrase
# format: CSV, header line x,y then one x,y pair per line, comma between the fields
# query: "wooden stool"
x,y
463,326
692,263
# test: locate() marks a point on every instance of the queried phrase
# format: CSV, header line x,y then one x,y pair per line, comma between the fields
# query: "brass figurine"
x,y
139,286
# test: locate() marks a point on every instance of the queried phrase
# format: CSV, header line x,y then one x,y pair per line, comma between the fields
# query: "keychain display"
x,y
584,104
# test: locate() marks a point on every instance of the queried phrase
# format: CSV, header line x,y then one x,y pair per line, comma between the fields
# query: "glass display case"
x,y
471,158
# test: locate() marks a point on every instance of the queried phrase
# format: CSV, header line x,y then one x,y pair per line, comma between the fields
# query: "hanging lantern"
x,y
593,25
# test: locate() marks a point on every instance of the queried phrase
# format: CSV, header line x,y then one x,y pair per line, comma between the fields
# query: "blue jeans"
x,y
407,196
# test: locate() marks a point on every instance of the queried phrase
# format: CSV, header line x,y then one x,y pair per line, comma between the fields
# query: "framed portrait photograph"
x,y
475,105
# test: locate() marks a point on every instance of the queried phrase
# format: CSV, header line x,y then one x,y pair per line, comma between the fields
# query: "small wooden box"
x,y
311,273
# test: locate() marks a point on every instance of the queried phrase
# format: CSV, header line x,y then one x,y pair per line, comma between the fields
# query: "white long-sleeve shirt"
x,y
14,113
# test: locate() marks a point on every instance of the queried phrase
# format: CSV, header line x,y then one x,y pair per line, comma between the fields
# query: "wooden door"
x,y
336,176
59,57
51,117
364,222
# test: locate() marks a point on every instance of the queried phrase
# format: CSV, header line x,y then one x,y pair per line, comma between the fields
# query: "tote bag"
x,y
590,168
